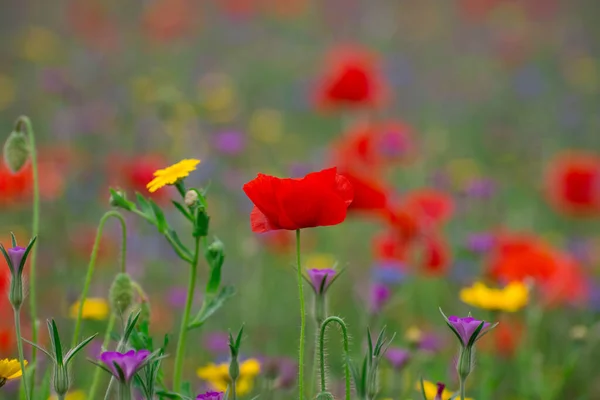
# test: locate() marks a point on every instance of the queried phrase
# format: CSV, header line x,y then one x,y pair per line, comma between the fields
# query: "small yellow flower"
x,y
170,175
511,298
93,308
73,395
10,369
431,391
320,261
218,375
413,335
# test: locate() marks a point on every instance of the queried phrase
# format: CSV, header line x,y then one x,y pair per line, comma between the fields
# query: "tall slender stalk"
x,y
35,227
342,325
124,391
96,378
302,321
21,354
92,264
462,390
185,320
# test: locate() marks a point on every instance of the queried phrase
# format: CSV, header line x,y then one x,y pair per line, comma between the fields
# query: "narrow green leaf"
x,y
100,365
130,325
238,340
144,205
26,254
55,338
7,258
161,221
119,371
211,306
423,389
71,353
183,210
201,224
40,348
13,239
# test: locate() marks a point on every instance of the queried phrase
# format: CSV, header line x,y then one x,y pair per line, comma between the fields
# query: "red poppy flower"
x,y
319,199
166,20
91,21
390,246
135,173
435,255
404,222
351,79
369,195
430,204
573,183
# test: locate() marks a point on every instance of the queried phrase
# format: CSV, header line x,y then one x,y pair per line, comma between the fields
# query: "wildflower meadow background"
x,y
444,212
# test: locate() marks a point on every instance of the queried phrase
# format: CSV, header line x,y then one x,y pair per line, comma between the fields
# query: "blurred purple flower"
x,y
231,142
53,81
398,357
129,363
466,327
321,278
388,272
481,242
282,370
481,188
380,295
210,396
430,343
217,342
177,297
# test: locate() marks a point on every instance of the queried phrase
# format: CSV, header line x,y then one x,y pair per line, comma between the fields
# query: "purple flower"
x,y
380,294
321,278
430,343
480,242
210,396
230,143
481,189
16,256
389,272
129,363
466,327
398,357
217,342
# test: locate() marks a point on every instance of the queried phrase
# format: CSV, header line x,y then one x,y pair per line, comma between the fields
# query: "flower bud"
x,y
114,199
15,294
234,369
121,293
465,362
191,198
16,151
61,380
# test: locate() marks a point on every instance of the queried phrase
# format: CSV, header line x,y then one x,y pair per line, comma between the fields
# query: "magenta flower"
x,y
398,357
465,328
380,295
124,365
440,391
320,279
210,396
16,256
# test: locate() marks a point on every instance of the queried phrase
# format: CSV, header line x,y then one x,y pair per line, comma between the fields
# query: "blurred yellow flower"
x,y
170,175
218,97
7,91
10,369
218,375
40,45
93,308
431,391
511,298
320,261
72,395
266,125
413,335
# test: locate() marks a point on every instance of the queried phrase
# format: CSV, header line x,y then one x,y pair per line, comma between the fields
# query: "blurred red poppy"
x,y
278,241
435,255
134,173
404,222
389,245
166,20
430,204
506,339
573,183
319,199
90,21
351,79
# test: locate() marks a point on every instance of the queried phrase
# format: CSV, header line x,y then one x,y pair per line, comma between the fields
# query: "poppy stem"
x,y
96,377
25,122
20,348
342,325
92,265
185,320
302,321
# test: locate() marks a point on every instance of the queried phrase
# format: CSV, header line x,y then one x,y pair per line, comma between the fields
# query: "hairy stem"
x,y
302,321
342,325
185,320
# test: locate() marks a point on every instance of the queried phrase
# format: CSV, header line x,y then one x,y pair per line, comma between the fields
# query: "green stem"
x,y
186,319
462,390
124,391
302,321
20,348
96,377
92,265
233,391
35,227
342,325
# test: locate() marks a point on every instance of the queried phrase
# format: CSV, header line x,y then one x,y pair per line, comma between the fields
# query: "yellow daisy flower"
x,y
170,175
218,376
10,369
511,298
73,395
93,308
431,391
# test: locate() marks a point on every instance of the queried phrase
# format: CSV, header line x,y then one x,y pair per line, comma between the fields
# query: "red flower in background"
x,y
369,195
319,199
134,173
91,21
389,246
351,79
166,20
435,255
430,205
573,183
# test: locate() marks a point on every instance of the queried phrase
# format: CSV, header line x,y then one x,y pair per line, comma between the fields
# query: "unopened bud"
x,y
15,294
60,380
114,201
16,151
325,396
191,198
234,369
121,293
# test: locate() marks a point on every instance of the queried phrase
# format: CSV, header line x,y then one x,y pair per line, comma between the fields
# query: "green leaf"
x,y
145,207
119,371
40,348
131,323
201,224
183,210
55,339
26,254
211,306
171,395
119,201
175,237
71,353
214,281
161,221
423,389
13,239
7,258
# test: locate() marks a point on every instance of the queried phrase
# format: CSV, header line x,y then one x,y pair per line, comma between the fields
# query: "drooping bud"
x,y
191,198
61,380
116,197
16,151
121,293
